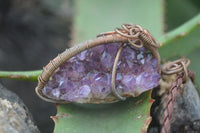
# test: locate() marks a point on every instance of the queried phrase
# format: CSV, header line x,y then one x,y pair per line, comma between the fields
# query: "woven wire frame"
x,y
129,33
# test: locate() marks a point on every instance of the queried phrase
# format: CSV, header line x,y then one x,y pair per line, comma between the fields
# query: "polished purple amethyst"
x,y
88,75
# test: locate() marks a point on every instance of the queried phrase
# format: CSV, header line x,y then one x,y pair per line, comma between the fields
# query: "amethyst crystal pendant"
x,y
86,77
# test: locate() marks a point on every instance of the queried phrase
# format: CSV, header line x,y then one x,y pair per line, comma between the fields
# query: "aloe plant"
x,y
93,17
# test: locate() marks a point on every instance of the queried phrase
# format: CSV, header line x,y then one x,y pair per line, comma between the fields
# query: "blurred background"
x,y
34,31
31,33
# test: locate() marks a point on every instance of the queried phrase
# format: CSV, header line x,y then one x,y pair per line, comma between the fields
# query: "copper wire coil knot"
x,y
132,31
177,67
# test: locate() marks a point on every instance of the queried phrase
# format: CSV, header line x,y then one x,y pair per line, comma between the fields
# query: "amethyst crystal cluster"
x,y
86,77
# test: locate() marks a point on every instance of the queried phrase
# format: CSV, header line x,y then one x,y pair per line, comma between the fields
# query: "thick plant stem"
x,y
181,31
21,75
178,33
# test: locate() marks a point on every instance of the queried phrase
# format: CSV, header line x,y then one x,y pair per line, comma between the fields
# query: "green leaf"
x,y
93,17
180,11
195,63
182,40
122,117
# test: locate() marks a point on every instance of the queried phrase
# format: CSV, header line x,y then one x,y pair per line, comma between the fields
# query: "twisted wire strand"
x,y
178,67
170,101
129,33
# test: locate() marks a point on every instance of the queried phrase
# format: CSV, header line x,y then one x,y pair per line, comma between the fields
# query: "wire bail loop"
x,y
176,67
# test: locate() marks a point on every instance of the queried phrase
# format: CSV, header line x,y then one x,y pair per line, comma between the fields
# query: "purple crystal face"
x,y
87,75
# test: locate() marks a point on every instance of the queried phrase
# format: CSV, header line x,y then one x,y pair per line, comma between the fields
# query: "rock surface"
x,y
14,115
186,115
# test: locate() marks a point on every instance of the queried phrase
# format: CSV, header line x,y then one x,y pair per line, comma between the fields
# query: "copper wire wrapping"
x,y
114,73
129,33
178,67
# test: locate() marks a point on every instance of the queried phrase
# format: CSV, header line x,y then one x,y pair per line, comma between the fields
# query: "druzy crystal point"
x,y
86,77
